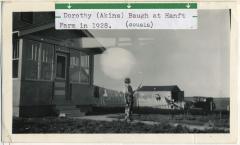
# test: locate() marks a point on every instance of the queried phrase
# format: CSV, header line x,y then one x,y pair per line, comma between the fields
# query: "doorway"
x,y
61,84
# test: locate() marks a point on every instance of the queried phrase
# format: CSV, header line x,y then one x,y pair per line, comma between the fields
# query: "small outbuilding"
x,y
162,97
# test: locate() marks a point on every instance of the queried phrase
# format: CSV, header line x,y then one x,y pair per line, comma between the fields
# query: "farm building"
x,y
161,97
147,99
52,71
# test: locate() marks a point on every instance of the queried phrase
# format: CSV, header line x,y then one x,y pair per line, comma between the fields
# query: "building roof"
x,y
42,26
159,88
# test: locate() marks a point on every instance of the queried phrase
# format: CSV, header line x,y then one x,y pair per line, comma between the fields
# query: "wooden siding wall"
x,y
153,99
35,93
178,96
81,94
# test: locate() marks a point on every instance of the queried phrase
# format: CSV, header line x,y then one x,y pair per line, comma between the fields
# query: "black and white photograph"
x,y
120,81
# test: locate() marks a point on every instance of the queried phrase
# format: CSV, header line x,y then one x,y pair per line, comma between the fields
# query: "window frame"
x,y
17,58
39,60
80,54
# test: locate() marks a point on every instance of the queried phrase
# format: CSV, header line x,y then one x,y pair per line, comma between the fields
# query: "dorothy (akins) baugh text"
x,y
128,19
98,20
121,15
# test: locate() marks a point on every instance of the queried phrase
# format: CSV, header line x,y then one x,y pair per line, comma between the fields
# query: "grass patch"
x,y
70,125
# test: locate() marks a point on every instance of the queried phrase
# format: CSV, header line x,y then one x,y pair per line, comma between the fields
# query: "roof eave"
x,y
94,50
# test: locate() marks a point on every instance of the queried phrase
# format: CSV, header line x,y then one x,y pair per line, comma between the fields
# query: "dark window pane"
x,y
61,65
32,71
15,56
47,61
84,75
84,72
74,70
46,71
27,17
15,49
15,68
32,49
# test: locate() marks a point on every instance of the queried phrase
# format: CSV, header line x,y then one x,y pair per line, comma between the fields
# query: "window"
x,y
79,67
74,66
27,17
39,60
15,58
33,50
47,61
84,72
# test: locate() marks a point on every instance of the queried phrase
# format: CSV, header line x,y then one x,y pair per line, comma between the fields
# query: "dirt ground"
x,y
78,125
213,120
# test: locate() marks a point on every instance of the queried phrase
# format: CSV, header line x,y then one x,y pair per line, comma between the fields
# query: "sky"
x,y
195,60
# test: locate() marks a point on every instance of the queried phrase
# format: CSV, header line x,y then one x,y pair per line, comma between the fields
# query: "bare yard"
x,y
165,124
